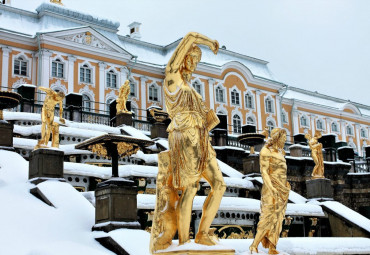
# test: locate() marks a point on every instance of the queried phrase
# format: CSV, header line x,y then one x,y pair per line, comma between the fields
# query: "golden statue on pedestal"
x,y
316,154
48,125
124,92
274,194
190,157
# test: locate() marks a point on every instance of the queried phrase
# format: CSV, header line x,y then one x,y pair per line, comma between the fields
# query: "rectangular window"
x,y
269,106
57,69
248,101
85,74
132,89
153,93
111,80
20,67
235,97
220,95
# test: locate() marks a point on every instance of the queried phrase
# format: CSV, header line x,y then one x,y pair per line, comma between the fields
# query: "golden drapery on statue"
x,y
274,194
190,156
124,92
316,154
48,126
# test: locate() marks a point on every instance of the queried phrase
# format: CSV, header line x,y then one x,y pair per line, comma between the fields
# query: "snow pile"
x,y
236,183
30,227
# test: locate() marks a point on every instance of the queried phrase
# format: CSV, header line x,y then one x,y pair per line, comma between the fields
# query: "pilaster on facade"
x,y
343,130
259,115
278,111
313,124
211,83
101,85
71,62
123,74
357,126
34,67
143,80
5,67
295,122
45,67
328,121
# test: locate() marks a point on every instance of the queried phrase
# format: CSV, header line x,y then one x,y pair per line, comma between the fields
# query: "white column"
x,y
259,121
34,67
71,62
123,75
278,111
143,80
5,67
211,83
313,127
101,85
164,99
295,121
328,127
344,138
45,68
359,149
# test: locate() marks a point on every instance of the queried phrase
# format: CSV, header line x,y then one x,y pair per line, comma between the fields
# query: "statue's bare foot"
x,y
184,241
204,238
253,249
272,250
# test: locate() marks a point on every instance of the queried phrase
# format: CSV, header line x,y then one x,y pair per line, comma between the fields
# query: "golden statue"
x,y
124,91
190,156
266,132
316,154
56,2
274,194
48,125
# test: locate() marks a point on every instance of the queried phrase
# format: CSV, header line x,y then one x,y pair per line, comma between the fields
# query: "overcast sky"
x,y
318,45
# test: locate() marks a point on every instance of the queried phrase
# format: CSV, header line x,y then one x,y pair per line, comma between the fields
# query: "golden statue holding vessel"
x,y
274,194
190,156
124,92
48,126
316,154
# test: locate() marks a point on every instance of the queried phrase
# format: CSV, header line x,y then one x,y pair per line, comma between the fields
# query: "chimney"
x,y
135,30
8,2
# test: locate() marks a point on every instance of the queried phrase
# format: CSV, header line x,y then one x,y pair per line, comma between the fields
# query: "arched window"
x,y
153,93
86,103
111,79
363,133
20,66
237,124
57,69
349,130
319,125
109,101
269,106
304,122
198,87
235,97
250,121
284,117
249,100
85,74
220,97
270,125
334,127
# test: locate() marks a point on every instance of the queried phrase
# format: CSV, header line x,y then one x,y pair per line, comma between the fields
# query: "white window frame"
x,y
133,83
220,87
322,124
234,89
271,127
25,59
92,69
269,98
254,123
158,88
201,86
349,127
237,129
307,121
62,62
363,133
249,93
111,72
336,125
284,117
90,102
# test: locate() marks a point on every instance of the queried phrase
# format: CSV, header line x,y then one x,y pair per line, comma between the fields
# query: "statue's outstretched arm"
x,y
47,90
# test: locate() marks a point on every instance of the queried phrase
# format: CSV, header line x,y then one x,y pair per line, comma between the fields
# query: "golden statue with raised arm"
x,y
274,193
124,92
190,156
48,125
316,154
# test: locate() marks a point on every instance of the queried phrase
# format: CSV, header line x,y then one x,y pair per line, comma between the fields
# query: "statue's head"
x,y
61,95
192,58
278,137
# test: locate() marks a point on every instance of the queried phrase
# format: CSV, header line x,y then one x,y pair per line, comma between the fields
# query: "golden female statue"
x,y
316,154
190,156
47,118
274,194
124,91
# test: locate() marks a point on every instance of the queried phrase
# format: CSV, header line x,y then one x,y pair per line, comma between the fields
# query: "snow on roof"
x,y
348,214
42,229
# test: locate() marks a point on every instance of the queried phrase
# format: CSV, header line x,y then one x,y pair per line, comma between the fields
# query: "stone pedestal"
x,y
220,137
123,118
158,129
251,164
116,205
6,134
45,164
320,189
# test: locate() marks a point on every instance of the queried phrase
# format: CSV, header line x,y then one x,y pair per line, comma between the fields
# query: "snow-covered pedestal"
x,y
116,205
320,189
44,164
194,249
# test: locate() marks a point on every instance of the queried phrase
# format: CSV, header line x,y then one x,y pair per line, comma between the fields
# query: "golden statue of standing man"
x,y
316,154
190,156
48,125
274,194
124,92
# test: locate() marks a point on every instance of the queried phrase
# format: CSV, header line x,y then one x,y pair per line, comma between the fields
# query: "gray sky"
x,y
318,45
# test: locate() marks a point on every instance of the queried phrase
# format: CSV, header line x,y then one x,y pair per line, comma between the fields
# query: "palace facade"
x,y
74,52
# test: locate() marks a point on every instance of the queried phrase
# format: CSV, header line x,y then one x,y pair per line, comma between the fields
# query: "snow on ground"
x,y
237,183
30,227
348,214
